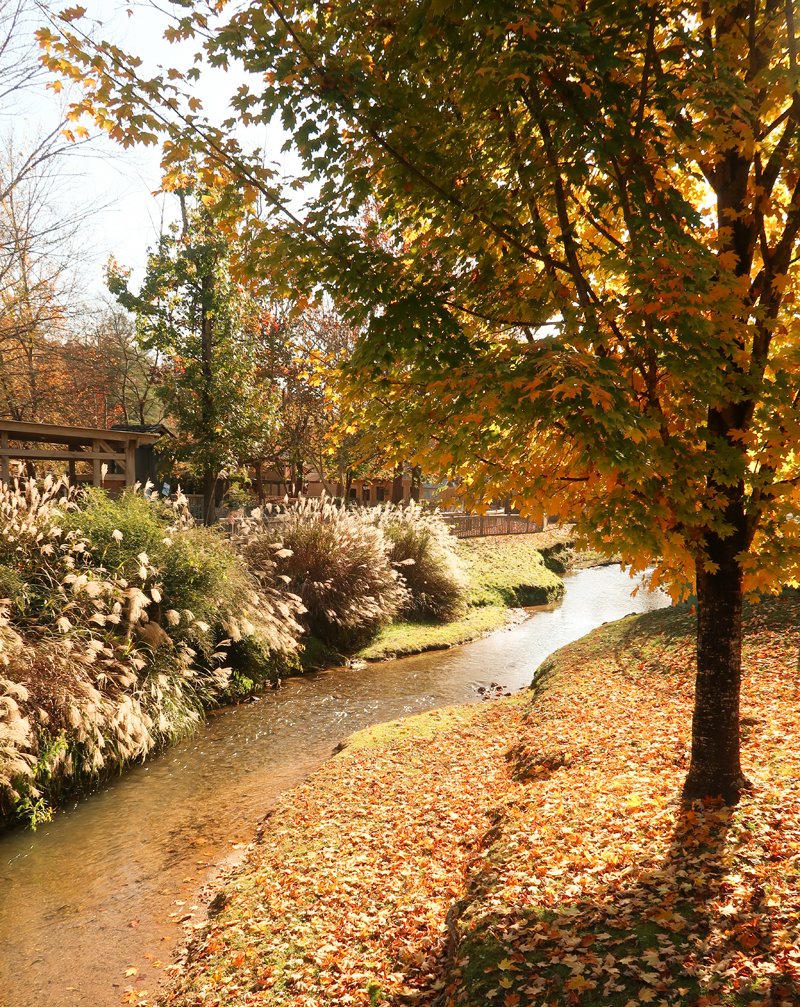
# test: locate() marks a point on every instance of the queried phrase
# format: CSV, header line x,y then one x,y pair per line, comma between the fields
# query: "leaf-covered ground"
x,y
532,850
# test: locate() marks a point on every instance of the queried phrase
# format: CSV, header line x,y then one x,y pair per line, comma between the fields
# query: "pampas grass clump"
x,y
113,633
335,560
421,548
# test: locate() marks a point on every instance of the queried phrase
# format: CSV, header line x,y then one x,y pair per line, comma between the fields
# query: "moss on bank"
x,y
421,725
531,851
503,571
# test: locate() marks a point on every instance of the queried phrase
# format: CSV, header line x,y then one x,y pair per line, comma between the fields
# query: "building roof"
x,y
144,428
56,433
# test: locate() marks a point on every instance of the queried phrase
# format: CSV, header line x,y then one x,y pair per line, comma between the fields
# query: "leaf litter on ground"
x,y
533,850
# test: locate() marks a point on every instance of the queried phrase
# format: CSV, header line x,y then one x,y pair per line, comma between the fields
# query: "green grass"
x,y
403,638
420,725
504,572
508,570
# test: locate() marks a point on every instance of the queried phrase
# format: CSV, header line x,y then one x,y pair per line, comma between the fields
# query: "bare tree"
x,y
21,74
37,282
39,251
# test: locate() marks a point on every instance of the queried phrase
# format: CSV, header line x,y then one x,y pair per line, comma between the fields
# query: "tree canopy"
x,y
577,273
191,313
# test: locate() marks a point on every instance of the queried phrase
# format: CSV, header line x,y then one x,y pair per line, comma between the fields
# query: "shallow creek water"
x,y
91,893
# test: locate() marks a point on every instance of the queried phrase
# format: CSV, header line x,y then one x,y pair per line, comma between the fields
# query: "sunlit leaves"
x,y
555,837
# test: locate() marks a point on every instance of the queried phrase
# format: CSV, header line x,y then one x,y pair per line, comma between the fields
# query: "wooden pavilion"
x,y
30,443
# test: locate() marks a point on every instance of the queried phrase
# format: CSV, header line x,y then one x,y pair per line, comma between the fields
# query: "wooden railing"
x,y
461,525
480,525
116,449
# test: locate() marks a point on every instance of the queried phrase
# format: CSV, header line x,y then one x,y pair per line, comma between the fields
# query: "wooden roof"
x,y
54,433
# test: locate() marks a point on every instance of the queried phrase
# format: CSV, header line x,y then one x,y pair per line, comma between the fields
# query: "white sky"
x,y
113,187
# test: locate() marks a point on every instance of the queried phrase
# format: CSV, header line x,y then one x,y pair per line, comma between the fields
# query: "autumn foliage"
x,y
579,277
446,859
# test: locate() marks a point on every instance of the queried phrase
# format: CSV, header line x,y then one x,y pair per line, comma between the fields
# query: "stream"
x,y
89,894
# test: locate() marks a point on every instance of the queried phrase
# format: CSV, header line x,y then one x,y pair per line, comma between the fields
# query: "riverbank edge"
x,y
479,934
499,591
496,608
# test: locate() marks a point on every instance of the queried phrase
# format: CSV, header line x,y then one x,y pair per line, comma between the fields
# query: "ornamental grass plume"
x,y
421,549
93,676
334,559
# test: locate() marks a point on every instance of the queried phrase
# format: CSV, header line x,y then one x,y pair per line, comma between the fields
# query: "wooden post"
x,y
97,475
71,472
5,471
130,461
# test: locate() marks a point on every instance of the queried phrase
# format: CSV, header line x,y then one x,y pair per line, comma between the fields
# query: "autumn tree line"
x,y
236,370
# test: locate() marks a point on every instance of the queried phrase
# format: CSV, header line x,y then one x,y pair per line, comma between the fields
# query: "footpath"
x,y
531,850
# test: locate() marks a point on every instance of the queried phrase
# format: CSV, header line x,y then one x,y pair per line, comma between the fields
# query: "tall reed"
x,y
114,633
334,559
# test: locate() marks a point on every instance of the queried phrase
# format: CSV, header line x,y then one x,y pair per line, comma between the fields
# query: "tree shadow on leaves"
x,y
684,925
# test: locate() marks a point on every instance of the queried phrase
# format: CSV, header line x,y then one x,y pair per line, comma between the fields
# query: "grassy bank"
x,y
504,572
120,623
532,850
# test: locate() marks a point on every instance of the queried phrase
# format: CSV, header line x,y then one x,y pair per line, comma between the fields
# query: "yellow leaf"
x,y
72,13
506,964
506,983
132,971
728,260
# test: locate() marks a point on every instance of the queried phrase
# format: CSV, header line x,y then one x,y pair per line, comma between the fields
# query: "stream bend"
x,y
91,893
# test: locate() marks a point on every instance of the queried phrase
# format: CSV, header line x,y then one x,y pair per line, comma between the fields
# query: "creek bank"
x,y
531,850
77,708
505,573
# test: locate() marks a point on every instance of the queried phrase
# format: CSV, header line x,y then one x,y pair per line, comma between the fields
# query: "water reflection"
x,y
91,894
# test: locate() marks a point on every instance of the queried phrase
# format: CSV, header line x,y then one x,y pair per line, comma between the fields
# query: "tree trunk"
x,y
206,397
416,483
715,769
342,485
209,494
397,484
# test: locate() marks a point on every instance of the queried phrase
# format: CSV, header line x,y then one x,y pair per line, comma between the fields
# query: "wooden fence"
x,y
480,525
461,525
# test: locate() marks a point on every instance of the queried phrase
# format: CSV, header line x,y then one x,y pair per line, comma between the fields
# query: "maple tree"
x,y
580,285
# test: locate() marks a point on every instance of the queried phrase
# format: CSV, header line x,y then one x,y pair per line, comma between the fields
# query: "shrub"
x,y
335,560
113,633
207,594
422,549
